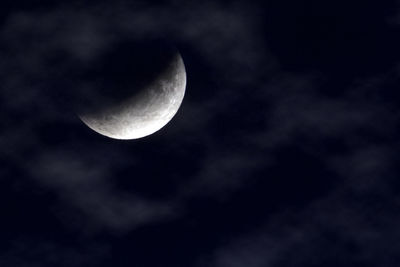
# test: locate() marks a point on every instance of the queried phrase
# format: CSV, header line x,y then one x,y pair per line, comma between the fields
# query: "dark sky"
x,y
284,153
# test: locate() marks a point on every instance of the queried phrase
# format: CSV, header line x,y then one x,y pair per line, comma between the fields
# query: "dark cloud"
x,y
43,49
353,225
289,105
87,184
22,252
245,121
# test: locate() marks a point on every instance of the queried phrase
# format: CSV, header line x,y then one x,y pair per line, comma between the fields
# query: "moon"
x,y
145,110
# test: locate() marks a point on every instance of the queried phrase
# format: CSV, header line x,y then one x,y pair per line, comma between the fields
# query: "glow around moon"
x,y
146,112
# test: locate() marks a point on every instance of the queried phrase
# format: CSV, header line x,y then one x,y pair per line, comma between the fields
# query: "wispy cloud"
x,y
23,252
355,224
251,110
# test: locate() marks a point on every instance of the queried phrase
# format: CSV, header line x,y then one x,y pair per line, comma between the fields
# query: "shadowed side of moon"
x,y
133,91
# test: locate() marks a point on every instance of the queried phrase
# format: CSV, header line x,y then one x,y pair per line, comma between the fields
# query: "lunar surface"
x,y
145,111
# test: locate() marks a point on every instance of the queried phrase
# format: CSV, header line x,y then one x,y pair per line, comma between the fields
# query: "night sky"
x,y
284,153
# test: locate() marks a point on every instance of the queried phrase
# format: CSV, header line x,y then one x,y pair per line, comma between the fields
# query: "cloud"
x,y
25,253
288,110
85,180
355,224
42,52
251,107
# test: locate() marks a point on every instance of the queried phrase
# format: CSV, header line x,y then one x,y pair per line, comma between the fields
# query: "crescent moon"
x,y
146,112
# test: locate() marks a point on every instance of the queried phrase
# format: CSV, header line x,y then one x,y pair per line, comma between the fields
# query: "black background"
x,y
284,152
